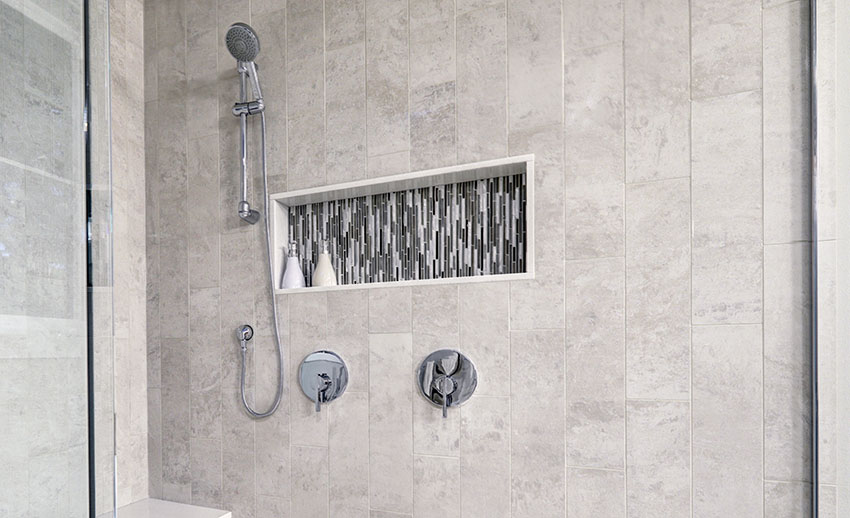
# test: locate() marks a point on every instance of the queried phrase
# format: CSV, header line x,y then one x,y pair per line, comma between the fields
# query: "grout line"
x,y
625,495
763,290
691,257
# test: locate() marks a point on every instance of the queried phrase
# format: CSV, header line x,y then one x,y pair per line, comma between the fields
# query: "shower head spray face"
x,y
242,42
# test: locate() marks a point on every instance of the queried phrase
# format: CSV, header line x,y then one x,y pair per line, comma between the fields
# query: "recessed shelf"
x,y
458,224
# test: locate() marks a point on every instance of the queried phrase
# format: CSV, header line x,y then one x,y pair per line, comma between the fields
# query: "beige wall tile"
x,y
828,394
727,420
308,320
390,423
592,24
345,104
594,492
348,334
390,310
595,359
657,89
658,458
485,462
727,209
205,463
596,221
658,289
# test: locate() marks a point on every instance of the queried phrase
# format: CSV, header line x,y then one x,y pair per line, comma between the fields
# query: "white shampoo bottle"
x,y
324,274
293,277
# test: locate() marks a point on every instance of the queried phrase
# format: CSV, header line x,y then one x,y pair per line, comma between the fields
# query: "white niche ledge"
x,y
281,203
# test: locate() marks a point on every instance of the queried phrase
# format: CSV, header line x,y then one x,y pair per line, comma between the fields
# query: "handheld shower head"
x,y
242,42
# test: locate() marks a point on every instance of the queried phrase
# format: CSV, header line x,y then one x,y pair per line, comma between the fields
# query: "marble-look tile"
x,y
304,85
176,473
786,123
391,163
596,222
485,335
827,99
433,115
658,469
787,392
595,359
658,289
308,320
310,494
725,47
594,115
386,514
154,443
387,65
238,481
433,434
727,420
485,463
348,334
535,64
348,440
727,209
272,452
434,319
537,423
390,310
203,185
436,486
390,423
174,296
205,468
657,89
787,499
828,354
272,507
592,24
828,501
345,23
593,492
345,107
481,81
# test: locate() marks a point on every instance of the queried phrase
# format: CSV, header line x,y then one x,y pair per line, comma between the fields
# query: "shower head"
x,y
242,42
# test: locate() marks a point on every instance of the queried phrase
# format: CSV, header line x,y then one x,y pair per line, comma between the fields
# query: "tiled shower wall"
x,y
657,365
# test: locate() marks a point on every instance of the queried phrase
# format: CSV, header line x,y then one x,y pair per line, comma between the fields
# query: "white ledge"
x,y
152,508
502,277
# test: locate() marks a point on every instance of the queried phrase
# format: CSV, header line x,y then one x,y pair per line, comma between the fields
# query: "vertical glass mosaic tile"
x,y
456,230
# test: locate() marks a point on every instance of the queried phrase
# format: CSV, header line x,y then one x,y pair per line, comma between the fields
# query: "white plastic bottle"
x,y
324,274
293,277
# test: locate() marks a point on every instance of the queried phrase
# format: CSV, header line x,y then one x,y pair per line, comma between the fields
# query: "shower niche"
x,y
465,223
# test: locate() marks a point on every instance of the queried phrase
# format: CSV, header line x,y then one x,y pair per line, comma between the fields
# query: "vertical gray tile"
x,y
345,89
308,320
828,370
387,81
390,423
305,91
432,84
205,462
657,89
787,499
204,254
725,47
593,492
786,123
658,458
484,333
348,334
594,115
535,64
272,452
434,319
787,394
272,507
592,24
310,494
595,359
658,289
436,486
481,81
349,453
390,310
727,209
727,420
537,423
596,222
485,463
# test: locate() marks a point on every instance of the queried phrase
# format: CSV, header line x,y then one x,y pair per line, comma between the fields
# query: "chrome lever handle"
x,y
324,383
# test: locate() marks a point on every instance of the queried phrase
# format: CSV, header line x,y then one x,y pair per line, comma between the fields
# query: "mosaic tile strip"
x,y
455,230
